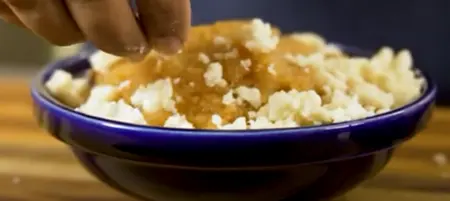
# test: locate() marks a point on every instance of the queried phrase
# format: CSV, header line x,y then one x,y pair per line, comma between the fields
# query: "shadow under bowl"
x,y
163,164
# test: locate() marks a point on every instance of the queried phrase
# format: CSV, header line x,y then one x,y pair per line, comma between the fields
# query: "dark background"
x,y
423,26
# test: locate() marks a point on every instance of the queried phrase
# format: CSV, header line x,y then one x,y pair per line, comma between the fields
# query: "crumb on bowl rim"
x,y
40,94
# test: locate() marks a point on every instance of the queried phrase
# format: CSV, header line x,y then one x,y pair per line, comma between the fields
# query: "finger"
x,y
110,25
8,16
49,19
165,22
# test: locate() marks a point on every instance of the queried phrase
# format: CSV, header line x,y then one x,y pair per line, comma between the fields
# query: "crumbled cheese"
x,y
313,60
214,75
331,50
353,87
216,120
286,123
203,58
101,61
220,40
264,123
246,63
178,99
103,93
285,105
239,124
261,37
381,111
252,114
309,39
79,86
370,94
271,69
261,123
352,110
383,58
251,95
228,98
178,121
155,96
403,61
177,80
125,84
59,82
118,111
62,85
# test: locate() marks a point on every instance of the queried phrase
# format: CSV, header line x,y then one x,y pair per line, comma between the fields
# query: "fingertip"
x,y
168,45
137,53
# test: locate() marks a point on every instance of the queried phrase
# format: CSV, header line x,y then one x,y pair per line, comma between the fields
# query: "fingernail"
x,y
167,45
137,53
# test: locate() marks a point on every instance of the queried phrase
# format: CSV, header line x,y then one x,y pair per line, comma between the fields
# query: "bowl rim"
x,y
43,97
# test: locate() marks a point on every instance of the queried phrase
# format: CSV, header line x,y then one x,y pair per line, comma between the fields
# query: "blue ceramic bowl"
x,y
163,164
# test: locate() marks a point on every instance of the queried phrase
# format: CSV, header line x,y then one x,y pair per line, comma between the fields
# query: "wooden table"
x,y
36,167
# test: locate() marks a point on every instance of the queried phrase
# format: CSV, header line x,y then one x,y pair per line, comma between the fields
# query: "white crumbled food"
x,y
252,114
220,40
264,123
271,69
214,75
202,57
177,80
103,92
59,82
178,99
246,63
261,37
216,120
101,61
250,94
178,121
100,103
313,40
314,60
239,124
155,96
229,98
351,87
309,39
331,50
118,111
70,90
356,88
125,84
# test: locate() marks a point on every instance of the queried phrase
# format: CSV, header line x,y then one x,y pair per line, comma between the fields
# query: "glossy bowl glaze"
x,y
162,164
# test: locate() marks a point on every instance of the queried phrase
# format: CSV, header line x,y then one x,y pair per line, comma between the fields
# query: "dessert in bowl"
x,y
242,113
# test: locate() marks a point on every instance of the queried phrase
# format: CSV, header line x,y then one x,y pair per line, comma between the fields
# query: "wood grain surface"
x,y
36,167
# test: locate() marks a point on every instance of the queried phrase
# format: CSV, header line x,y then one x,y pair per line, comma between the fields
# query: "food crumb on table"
x,y
440,159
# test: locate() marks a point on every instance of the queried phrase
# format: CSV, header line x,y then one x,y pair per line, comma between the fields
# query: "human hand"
x,y
111,25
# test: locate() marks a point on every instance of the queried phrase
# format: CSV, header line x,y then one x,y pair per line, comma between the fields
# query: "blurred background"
x,y
23,54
